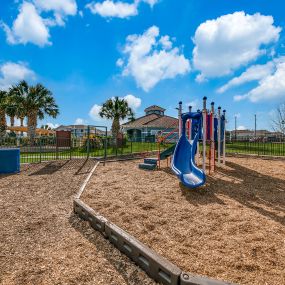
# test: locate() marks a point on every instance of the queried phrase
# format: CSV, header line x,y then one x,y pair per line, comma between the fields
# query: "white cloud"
x,y
52,126
149,62
29,26
271,87
94,112
253,73
60,8
166,42
195,105
133,102
117,9
80,121
231,41
241,128
120,62
109,9
12,73
150,2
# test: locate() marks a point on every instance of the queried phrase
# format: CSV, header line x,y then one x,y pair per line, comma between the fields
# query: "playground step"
x,y
151,160
147,166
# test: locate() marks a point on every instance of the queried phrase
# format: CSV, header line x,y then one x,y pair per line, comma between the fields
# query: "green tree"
x,y
116,109
3,105
36,102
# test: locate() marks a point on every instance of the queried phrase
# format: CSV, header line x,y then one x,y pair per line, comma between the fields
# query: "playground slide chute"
x,y
183,163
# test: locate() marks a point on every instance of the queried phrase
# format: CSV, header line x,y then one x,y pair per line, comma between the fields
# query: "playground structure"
x,y
205,127
163,212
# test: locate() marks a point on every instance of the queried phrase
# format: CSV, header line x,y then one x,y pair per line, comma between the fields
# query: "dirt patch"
x,y
232,229
42,242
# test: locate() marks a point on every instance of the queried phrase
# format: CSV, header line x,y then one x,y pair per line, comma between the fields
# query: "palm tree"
x,y
11,108
3,105
116,109
21,113
36,102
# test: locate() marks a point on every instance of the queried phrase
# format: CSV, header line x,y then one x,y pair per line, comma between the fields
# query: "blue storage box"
x,y
9,160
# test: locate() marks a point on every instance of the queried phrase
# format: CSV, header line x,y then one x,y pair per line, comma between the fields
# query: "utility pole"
x,y
235,127
254,126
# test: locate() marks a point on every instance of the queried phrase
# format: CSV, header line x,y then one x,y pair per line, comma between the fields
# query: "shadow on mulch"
x,y
49,168
7,175
109,252
81,166
249,191
167,170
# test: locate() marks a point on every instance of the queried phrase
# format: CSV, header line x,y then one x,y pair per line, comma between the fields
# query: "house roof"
x,y
78,127
71,127
154,108
154,121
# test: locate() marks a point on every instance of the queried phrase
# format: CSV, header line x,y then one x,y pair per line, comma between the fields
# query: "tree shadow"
x,y
80,166
49,168
121,264
263,193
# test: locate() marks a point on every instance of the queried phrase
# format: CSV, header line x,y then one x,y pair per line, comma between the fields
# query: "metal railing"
x,y
263,145
51,148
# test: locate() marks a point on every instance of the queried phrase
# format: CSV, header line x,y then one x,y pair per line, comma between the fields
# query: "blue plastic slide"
x,y
183,162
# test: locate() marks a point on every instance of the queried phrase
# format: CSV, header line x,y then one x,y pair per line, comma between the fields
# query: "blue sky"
x,y
150,52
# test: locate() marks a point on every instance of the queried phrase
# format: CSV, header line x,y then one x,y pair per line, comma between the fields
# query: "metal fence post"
x,y
105,146
40,149
70,148
131,145
56,147
88,141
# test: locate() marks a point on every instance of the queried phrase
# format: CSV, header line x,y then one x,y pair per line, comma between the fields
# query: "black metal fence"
x,y
52,148
262,145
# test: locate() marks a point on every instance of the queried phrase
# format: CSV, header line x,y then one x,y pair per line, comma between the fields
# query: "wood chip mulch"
x,y
232,229
43,243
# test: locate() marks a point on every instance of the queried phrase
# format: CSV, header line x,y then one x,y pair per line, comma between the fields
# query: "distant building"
x,y
250,135
148,126
79,131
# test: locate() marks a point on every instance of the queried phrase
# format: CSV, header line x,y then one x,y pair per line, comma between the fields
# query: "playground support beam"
x,y
224,143
190,125
204,113
212,138
179,117
219,136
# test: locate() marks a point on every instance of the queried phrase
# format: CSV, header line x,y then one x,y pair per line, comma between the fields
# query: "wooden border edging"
x,y
155,265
